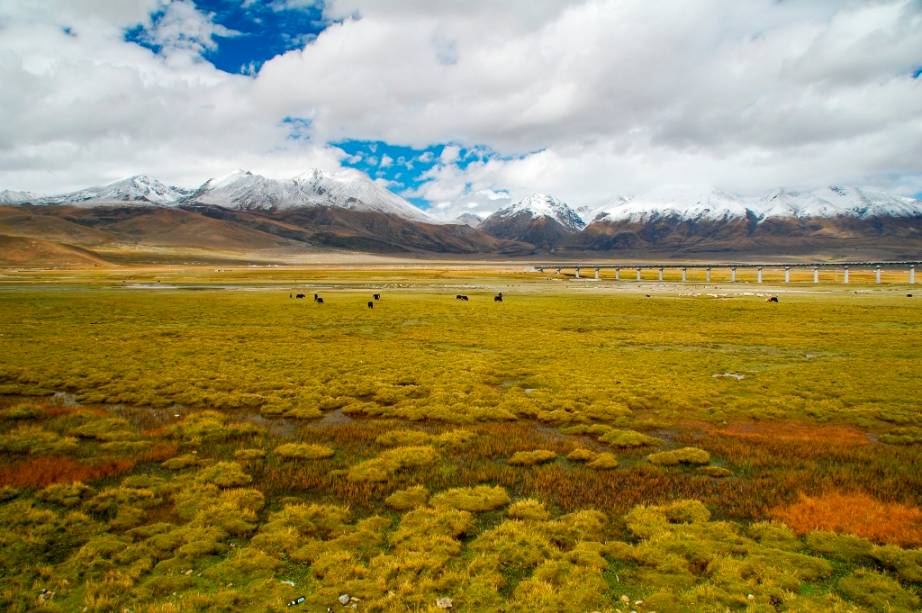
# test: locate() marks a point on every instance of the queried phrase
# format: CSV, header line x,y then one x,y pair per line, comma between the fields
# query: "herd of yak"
x,y
497,298
371,303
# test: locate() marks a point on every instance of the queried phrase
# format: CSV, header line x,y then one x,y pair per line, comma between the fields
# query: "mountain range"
x,y
247,216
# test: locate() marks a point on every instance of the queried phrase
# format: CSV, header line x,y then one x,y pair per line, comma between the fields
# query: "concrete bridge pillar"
x,y
661,274
845,277
617,274
638,273
787,274
733,274
596,274
877,275
684,274
707,274
577,272
759,274
816,274
912,274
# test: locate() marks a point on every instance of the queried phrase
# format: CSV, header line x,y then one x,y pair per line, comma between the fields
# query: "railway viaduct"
x,y
909,266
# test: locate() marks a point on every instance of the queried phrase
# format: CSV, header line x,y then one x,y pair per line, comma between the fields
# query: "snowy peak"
x,y
542,205
10,196
347,189
835,201
139,188
468,219
688,202
697,203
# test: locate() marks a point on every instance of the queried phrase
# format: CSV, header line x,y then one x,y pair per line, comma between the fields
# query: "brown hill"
x,y
266,234
36,252
71,235
884,237
542,232
167,227
44,222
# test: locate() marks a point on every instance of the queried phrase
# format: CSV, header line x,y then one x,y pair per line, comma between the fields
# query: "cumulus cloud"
x,y
586,100
87,107
183,28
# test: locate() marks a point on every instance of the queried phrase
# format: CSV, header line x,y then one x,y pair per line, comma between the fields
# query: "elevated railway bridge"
x,y
841,268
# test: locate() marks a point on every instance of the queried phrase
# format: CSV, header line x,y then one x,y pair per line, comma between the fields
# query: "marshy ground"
x,y
188,439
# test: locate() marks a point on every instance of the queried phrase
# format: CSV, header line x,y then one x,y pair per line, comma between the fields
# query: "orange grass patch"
x,y
42,472
793,431
854,513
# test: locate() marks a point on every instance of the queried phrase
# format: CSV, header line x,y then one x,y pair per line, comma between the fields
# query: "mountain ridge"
x,y
247,213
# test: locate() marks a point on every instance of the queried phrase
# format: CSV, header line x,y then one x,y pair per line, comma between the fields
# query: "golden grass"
x,y
424,481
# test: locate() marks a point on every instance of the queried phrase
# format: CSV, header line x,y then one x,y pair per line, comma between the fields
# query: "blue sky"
x,y
404,169
262,31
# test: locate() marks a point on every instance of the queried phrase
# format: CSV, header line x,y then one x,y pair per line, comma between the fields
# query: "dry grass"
x,y
854,513
44,471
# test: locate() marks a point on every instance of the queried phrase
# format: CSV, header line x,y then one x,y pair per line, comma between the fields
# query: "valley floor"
x,y
179,438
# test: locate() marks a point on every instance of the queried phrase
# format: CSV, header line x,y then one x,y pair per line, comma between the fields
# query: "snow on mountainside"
x,y
688,202
139,188
836,201
348,189
468,219
711,204
541,205
9,196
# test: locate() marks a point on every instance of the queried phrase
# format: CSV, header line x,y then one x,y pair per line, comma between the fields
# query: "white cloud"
x,y
449,154
621,94
585,99
183,28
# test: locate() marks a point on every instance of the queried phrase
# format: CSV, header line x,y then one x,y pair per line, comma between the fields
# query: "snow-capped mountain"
x,y
537,206
347,189
696,203
139,188
686,202
9,196
468,219
835,201
539,219
707,220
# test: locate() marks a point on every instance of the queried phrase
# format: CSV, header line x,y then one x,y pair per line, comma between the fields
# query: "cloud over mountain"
x,y
578,99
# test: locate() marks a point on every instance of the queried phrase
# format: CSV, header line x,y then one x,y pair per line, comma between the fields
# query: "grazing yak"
x,y
498,297
297,295
371,305
461,297
319,300
773,299
376,296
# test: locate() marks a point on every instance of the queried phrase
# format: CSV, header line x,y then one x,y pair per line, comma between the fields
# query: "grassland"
x,y
574,448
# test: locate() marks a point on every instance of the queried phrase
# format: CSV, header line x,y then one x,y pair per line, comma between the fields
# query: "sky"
x,y
465,106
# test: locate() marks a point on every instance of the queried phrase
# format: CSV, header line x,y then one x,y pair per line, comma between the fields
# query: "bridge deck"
x,y
673,265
